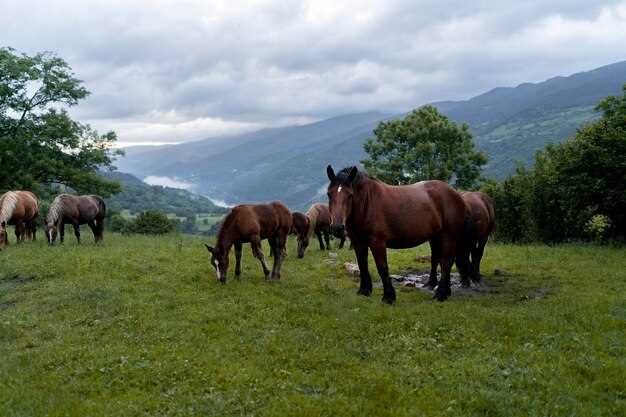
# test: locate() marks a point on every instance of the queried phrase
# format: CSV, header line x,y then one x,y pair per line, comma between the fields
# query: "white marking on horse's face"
x,y
339,189
50,234
217,268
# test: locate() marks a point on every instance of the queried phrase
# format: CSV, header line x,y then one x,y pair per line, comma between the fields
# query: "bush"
x,y
152,222
597,228
119,224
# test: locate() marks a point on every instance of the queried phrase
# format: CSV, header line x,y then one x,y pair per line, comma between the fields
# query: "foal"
x,y
252,223
316,220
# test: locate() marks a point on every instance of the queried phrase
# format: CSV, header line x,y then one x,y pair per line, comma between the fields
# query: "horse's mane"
x,y
8,201
56,208
228,220
342,176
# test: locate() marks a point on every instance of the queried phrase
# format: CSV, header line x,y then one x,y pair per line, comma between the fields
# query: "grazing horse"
x,y
378,216
18,208
252,223
75,210
483,218
316,220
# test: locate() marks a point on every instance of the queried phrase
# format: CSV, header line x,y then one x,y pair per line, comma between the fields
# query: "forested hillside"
x,y
138,196
509,124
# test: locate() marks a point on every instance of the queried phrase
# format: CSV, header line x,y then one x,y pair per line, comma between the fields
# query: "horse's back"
x,y
416,212
263,219
321,215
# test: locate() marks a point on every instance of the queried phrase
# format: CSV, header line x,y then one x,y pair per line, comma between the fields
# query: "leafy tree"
x,y
574,187
424,145
39,142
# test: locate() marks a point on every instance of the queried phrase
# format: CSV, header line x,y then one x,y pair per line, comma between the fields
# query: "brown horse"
x,y
252,223
18,208
75,210
483,219
316,220
378,216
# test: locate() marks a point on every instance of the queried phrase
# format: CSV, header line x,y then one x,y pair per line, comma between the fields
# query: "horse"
x,y
316,220
75,210
377,216
483,216
252,223
18,208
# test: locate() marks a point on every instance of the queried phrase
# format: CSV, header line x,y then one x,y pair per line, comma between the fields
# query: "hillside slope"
x,y
138,196
510,124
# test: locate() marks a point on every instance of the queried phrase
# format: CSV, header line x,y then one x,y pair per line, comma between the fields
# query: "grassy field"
x,y
139,326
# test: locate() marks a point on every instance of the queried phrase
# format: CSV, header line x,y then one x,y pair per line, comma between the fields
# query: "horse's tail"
x,y
102,207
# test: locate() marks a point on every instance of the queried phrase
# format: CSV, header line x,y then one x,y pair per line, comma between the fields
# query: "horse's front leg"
x,y
77,232
238,248
360,250
379,251
255,244
319,239
62,232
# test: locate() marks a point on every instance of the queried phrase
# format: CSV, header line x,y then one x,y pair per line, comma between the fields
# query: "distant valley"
x,y
509,124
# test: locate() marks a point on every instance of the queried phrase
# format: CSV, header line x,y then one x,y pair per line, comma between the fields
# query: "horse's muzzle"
x,y
338,230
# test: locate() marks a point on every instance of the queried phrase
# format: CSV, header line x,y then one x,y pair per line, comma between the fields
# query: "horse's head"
x,y
340,194
51,230
219,261
4,235
301,229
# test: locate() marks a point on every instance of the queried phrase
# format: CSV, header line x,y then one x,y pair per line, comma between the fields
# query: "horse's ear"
x,y
330,173
353,173
210,249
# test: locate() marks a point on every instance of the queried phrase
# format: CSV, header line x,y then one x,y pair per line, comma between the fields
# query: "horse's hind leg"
x,y
279,251
238,248
477,256
448,252
257,251
94,229
435,254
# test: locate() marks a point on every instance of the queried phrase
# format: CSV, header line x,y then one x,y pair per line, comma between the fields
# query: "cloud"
x,y
170,71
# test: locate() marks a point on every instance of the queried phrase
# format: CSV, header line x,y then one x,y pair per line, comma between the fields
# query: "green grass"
x,y
211,219
139,326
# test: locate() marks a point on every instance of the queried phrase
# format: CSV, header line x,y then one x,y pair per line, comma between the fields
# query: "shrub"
x,y
597,227
119,224
152,222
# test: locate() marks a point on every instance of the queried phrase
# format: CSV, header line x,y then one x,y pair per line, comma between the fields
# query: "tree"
x,y
39,142
424,145
576,190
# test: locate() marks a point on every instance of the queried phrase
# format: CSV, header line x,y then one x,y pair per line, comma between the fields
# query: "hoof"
x,y
465,283
364,292
388,300
430,285
442,294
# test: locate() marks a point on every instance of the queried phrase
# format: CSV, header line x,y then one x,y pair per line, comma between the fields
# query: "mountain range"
x,y
509,124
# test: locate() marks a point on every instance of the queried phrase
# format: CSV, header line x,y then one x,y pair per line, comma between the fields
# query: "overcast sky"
x,y
172,71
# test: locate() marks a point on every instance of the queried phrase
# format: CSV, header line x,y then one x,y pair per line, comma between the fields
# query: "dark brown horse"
x,y
483,218
378,216
18,208
316,220
252,223
75,210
